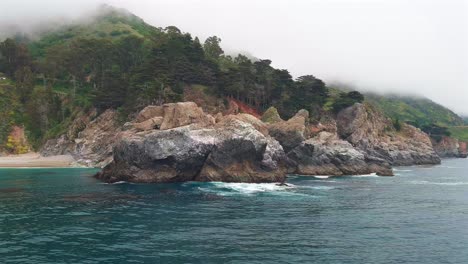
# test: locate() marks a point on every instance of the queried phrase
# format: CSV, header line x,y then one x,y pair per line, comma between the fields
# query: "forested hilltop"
x,y
118,61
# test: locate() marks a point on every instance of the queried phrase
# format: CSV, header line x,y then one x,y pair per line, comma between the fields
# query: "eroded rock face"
x,y
447,147
185,113
368,130
326,154
92,146
233,151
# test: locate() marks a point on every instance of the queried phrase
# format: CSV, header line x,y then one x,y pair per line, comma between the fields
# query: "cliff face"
x,y
449,147
370,131
89,140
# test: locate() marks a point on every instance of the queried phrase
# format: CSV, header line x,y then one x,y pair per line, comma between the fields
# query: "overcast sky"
x,y
404,46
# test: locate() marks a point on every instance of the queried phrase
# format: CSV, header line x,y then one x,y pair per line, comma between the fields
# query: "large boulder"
x,y
149,112
326,154
292,132
232,151
369,130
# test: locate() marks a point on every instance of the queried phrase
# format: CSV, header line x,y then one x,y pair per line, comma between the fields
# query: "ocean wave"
x,y
401,170
439,183
366,175
322,177
226,189
320,187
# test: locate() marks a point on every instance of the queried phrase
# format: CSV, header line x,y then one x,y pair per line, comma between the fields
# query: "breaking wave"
x,y
439,183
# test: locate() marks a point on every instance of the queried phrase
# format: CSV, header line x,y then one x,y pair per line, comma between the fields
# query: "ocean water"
x,y
66,216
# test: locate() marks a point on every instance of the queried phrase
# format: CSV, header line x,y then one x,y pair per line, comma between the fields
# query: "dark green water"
x,y
66,216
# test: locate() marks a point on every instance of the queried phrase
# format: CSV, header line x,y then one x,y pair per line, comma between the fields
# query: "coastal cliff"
x,y
449,147
179,142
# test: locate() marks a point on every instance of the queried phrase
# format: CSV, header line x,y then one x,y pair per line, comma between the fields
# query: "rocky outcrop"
x,y
326,154
368,130
447,147
185,113
88,142
271,116
292,132
246,118
231,151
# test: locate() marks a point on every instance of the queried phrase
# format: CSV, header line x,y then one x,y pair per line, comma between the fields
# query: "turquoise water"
x,y
66,216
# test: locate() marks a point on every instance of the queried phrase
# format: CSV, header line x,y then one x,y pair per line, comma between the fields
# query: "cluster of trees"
x,y
132,72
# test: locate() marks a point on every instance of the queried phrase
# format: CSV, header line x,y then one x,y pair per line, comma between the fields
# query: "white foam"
x,y
120,182
440,183
402,170
253,187
366,175
230,189
322,177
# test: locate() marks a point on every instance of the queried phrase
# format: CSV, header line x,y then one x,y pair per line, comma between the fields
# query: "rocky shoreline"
x,y
180,142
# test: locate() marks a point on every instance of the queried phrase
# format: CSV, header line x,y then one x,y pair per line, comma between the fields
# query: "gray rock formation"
x,y
326,154
232,151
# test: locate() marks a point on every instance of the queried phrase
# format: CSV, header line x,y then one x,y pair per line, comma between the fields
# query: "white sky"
x,y
403,46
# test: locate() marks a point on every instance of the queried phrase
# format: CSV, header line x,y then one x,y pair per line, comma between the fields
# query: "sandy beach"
x,y
34,160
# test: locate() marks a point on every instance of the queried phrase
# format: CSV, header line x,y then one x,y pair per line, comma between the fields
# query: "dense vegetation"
x,y
118,61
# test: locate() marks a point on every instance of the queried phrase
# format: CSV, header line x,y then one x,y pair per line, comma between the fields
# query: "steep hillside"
x,y
414,110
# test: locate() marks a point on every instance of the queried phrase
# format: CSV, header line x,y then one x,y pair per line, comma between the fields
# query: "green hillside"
x,y
107,23
415,110
459,132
